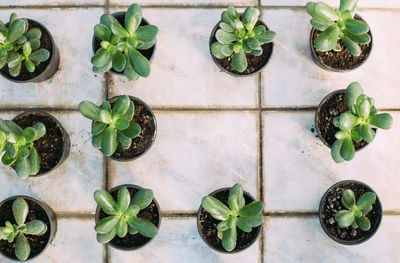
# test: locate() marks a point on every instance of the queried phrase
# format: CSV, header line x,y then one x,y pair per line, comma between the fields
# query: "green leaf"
x,y
353,91
124,140
319,25
356,27
122,228
109,142
325,11
232,12
11,150
22,167
382,120
256,52
345,218
139,62
133,130
360,39
226,18
216,50
35,43
133,18
250,17
106,224
363,223
132,230
143,45
20,211
348,199
352,46
347,151
216,208
132,211
107,20
252,221
229,239
118,30
348,5
96,141
7,160
226,27
105,116
364,108
328,39
119,61
242,224
356,135
120,107
90,110
129,72
124,199
144,227
253,43
22,248
105,238
26,49
102,32
236,200
128,116
367,133
106,202
253,209
121,124
142,198
239,61
30,66
223,226
98,128
34,161
366,200
101,58
16,30
105,105
347,121
13,59
33,33
266,37
312,11
35,227
146,33
14,71
40,55
225,37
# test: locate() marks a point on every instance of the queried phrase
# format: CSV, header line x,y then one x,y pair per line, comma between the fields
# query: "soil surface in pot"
x,y
50,147
208,227
332,203
150,213
37,243
45,42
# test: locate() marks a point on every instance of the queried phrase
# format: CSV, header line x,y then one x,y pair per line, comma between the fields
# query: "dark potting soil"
x,y
37,243
50,147
332,203
150,213
209,232
45,42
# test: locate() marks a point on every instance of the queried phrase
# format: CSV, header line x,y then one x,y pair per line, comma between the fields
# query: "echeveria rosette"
x,y
16,145
236,37
357,123
237,215
17,231
113,125
355,215
122,214
20,46
120,45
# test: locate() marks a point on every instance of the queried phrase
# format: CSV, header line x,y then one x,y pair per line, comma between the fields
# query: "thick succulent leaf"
x,y
253,43
224,37
382,120
16,30
122,228
242,224
105,238
226,27
98,128
102,32
265,37
33,33
367,133
223,226
118,30
120,107
344,218
142,198
356,27
106,224
107,20
133,130
216,50
226,18
312,11
347,150
233,12
129,72
352,46
96,141
353,91
35,43
40,55
15,71
356,135
109,141
252,221
146,33
20,210
328,39
35,227
132,230
30,66
348,199
11,150
250,17
101,58
104,68
22,248
7,160
320,25
259,29
124,140
34,161
124,199
325,11
133,18
144,227
229,238
366,200
236,200
119,61
216,208
363,223
132,211
239,61
364,108
347,121
106,202
128,116
105,116
257,52
143,45
139,62
22,167
360,39
90,110
121,124
26,49
253,209
13,59
348,5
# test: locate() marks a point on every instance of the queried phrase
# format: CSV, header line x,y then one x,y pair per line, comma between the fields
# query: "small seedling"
x,y
16,145
338,24
112,126
238,215
357,123
120,45
18,46
237,36
355,216
122,217
18,231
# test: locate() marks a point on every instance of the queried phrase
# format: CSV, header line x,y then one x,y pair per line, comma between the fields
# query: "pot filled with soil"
x,y
350,225
34,225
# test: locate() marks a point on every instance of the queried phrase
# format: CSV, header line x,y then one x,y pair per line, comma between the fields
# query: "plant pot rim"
x,y
213,32
223,251
97,215
340,241
50,216
328,68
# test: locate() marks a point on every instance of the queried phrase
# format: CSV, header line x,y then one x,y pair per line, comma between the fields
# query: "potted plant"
x,y
27,51
124,42
27,227
127,217
350,212
347,120
229,220
241,44
33,143
123,127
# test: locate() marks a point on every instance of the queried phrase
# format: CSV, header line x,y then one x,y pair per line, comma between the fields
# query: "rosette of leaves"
x,y
120,45
357,123
237,215
122,214
113,126
16,145
17,231
20,46
237,36
338,24
355,215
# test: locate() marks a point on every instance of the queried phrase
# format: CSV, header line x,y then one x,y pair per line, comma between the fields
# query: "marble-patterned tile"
x,y
74,81
69,188
179,242
298,167
51,2
183,71
303,240
194,154
334,3
292,71
186,2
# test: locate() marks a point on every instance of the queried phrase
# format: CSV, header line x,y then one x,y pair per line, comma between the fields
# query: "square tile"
x,y
187,2
334,3
51,2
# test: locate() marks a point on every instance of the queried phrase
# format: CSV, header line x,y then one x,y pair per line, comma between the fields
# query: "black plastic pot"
x,y
377,210
322,65
46,69
235,73
47,119
145,240
39,207
256,231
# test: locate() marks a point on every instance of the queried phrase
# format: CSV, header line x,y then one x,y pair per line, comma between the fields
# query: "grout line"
x,y
72,215
39,108
291,214
107,6
180,214
63,6
106,255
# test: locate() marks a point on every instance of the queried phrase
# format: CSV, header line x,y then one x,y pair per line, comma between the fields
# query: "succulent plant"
x,y
112,126
17,231
237,36
120,45
355,215
238,215
123,213
16,145
357,123
18,46
338,24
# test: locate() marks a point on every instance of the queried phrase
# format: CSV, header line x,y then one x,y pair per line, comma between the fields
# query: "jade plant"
x,y
357,123
17,231
237,215
355,213
122,214
338,24
112,126
17,147
120,44
239,35
20,46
